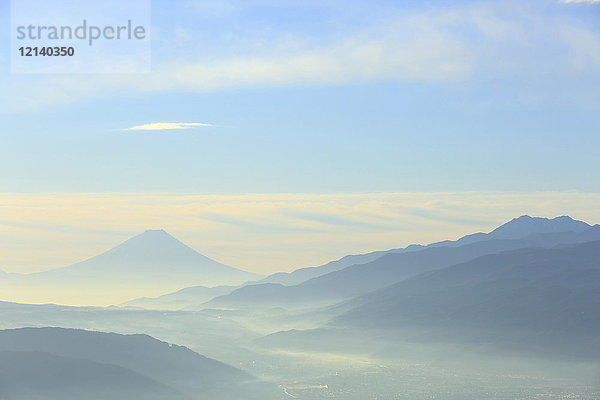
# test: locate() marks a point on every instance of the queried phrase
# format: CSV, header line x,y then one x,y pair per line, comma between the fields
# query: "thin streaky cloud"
x,y
167,126
264,232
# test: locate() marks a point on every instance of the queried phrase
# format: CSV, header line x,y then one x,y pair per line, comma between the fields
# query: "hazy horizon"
x,y
261,233
170,168
154,263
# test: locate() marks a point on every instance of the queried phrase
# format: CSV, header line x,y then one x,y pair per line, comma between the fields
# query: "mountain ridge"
x,y
388,269
149,264
169,365
515,229
154,243
540,302
543,291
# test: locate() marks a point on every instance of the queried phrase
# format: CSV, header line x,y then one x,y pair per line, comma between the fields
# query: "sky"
x,y
451,107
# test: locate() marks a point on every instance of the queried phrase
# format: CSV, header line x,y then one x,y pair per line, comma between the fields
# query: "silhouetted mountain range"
x,y
531,294
542,301
37,375
395,267
68,362
515,229
529,287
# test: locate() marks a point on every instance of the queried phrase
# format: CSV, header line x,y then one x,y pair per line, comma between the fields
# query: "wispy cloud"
x,y
455,44
409,48
167,126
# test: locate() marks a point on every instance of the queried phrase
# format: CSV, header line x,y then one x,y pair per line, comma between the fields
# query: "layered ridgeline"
x,y
529,301
151,263
396,266
544,300
54,363
556,289
518,228
354,275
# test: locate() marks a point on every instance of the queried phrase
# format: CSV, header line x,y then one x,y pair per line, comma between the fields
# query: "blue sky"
x,y
461,96
318,97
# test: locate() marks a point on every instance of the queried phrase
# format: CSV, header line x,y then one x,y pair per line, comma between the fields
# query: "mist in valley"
x,y
276,200
513,314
